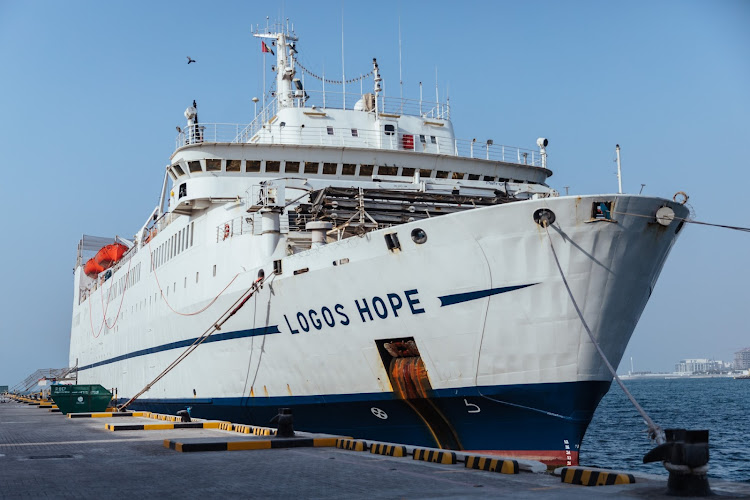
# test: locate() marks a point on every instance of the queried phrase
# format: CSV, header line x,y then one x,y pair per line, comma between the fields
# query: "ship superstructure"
x,y
409,289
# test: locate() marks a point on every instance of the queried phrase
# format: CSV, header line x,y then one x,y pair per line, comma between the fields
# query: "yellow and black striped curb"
x,y
594,477
241,428
264,431
437,456
392,450
159,427
351,445
265,444
247,429
109,414
492,464
161,416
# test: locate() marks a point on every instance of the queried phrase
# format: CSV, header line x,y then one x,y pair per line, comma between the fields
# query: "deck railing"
x,y
357,138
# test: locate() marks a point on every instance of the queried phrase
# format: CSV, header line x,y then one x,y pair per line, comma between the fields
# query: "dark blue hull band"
x,y
518,417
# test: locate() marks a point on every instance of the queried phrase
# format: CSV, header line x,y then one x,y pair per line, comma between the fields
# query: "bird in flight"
x,y
190,60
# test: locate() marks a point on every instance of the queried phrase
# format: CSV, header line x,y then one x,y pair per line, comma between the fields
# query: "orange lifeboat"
x,y
92,268
110,255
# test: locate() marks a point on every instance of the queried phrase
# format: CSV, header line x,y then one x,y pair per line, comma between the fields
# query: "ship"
x,y
346,256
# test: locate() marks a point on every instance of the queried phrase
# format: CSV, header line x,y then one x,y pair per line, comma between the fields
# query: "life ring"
x,y
683,195
226,231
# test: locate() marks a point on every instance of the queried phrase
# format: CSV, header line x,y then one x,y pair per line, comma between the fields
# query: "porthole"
x,y
419,236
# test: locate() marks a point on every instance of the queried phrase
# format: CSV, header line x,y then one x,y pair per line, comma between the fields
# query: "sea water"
x,y
617,437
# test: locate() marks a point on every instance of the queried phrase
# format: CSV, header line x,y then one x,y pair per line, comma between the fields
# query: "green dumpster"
x,y
81,398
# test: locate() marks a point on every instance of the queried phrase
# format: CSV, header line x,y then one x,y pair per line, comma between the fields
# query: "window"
x,y
365,170
422,139
407,172
458,175
329,168
355,133
192,230
213,165
178,169
488,178
273,166
214,270
311,168
195,166
348,169
329,130
389,129
291,167
433,139
425,172
441,174
387,170
196,276
252,165
233,165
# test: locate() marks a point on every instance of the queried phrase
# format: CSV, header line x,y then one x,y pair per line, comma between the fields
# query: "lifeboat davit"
x,y
110,255
92,268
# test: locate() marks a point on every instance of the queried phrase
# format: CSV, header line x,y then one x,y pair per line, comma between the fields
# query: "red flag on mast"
x,y
265,48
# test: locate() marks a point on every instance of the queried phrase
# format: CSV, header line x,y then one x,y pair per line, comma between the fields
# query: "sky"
x,y
91,92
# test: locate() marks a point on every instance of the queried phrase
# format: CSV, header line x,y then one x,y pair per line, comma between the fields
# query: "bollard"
x,y
284,423
685,456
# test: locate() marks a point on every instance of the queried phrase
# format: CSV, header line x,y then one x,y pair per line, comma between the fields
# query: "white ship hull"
x,y
483,299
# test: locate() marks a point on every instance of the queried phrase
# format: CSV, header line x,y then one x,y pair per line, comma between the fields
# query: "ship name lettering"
x,y
369,310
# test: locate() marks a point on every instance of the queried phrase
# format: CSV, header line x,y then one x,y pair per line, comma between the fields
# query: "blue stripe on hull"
x,y
517,417
217,337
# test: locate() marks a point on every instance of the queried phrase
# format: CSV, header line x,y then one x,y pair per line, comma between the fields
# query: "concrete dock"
x,y
45,454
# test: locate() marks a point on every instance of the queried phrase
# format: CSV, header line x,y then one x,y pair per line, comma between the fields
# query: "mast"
x,y
619,170
284,65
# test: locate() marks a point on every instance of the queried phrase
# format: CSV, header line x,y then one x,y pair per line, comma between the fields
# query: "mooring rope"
x,y
690,221
655,432
236,306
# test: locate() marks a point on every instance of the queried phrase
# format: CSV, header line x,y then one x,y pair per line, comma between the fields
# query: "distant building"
x,y
3,388
742,359
700,366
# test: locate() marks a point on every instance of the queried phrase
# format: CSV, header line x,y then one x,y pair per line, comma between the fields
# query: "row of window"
x,y
297,167
180,241
388,130
131,278
142,304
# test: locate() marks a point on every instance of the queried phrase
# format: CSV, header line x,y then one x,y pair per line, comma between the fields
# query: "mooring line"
x,y
655,432
216,326
690,221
